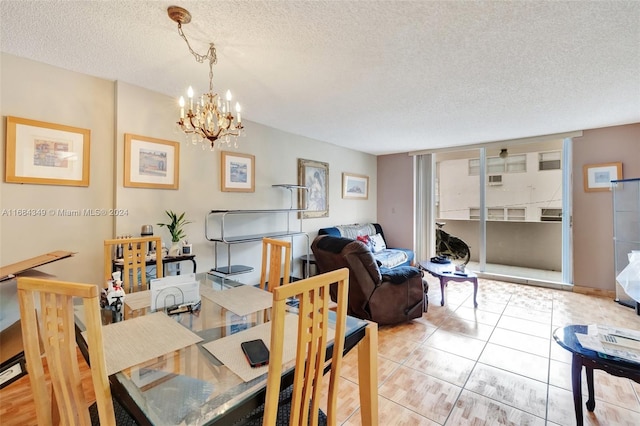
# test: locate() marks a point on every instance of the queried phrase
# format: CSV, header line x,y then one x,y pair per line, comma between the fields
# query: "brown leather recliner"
x,y
385,296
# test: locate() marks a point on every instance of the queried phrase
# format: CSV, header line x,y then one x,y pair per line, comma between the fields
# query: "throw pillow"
x,y
377,243
366,240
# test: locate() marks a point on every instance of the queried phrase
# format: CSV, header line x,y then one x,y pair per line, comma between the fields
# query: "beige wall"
x,y
592,211
44,93
110,109
396,199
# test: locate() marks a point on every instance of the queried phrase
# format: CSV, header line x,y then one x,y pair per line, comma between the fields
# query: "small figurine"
x,y
113,297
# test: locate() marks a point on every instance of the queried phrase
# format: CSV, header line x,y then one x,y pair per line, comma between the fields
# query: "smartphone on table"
x,y
256,352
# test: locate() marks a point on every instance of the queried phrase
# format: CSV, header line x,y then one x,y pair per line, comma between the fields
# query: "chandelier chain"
x,y
211,55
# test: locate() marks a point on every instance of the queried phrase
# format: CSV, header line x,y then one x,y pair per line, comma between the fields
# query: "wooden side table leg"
x,y
368,375
442,284
576,384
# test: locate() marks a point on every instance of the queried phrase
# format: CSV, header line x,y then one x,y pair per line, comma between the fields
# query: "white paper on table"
x,y
174,290
592,340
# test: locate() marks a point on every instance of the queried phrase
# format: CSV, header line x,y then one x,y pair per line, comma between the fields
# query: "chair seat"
x,y
284,412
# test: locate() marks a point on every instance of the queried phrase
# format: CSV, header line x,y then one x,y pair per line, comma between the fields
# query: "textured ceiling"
x,y
375,76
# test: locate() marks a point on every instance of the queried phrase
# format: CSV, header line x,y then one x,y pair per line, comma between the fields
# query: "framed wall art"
x,y
151,162
237,172
355,186
46,153
598,177
315,176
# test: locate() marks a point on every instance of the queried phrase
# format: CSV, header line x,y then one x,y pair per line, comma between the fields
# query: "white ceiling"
x,y
375,76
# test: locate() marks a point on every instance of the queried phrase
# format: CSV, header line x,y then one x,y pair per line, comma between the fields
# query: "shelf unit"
x,y
626,230
221,234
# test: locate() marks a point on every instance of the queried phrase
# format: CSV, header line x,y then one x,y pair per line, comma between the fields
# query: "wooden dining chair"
x,y
299,404
134,256
276,263
66,403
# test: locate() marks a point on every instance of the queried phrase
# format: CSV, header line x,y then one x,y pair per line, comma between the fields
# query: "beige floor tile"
x,y
509,388
390,413
395,348
561,411
348,398
523,363
456,344
350,368
636,388
416,330
443,365
560,374
528,314
525,326
428,396
473,409
614,390
423,364
477,315
472,329
523,342
559,353
532,303
488,305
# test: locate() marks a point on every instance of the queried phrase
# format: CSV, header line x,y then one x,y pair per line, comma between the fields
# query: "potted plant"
x,y
176,228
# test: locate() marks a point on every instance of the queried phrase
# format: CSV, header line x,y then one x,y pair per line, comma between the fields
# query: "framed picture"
x,y
46,153
598,177
355,186
315,176
150,162
237,172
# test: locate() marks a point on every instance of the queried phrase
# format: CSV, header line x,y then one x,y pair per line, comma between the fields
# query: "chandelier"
x,y
208,118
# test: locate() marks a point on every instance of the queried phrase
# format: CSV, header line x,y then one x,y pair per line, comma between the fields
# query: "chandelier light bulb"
x,y
181,103
238,109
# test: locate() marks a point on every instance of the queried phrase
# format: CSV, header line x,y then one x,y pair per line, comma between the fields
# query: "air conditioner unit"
x,y
495,180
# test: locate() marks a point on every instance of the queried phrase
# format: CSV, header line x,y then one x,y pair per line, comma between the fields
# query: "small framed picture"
x,y
46,153
598,177
151,162
237,172
315,176
355,186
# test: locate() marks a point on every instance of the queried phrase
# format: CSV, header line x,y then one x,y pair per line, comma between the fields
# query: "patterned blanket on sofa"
x,y
387,258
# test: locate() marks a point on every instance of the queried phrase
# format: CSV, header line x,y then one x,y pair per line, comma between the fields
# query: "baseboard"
x,y
590,291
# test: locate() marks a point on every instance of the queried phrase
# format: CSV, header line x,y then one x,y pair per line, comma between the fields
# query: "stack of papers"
x,y
612,341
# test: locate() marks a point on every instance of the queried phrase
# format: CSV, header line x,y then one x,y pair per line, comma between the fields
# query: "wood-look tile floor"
x,y
494,365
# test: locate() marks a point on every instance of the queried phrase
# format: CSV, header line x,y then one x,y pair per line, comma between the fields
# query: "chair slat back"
x,y
313,325
56,331
135,252
276,256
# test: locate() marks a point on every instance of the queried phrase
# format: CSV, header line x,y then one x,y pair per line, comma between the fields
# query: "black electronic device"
x,y
256,352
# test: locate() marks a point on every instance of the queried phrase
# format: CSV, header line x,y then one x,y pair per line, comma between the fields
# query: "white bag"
x,y
629,277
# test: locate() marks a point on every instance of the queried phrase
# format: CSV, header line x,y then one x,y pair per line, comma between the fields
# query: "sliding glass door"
x,y
507,202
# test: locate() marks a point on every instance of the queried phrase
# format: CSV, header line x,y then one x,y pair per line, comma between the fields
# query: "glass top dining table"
x,y
190,386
